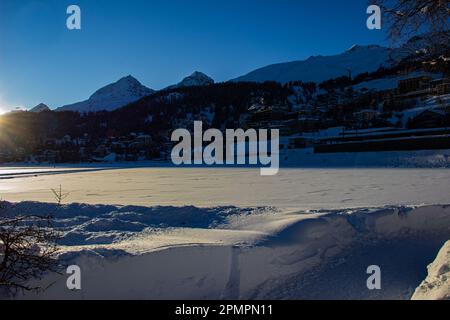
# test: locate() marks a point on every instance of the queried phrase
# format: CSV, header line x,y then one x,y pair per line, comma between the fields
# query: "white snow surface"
x,y
197,233
437,284
111,97
391,82
314,188
238,253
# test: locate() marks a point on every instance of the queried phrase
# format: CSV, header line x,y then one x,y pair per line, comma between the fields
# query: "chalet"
x,y
5,157
269,114
440,86
310,124
432,118
143,140
366,115
300,143
51,156
118,147
413,84
50,143
256,107
100,151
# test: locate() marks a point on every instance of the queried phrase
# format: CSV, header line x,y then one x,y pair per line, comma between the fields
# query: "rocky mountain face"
x,y
196,79
40,108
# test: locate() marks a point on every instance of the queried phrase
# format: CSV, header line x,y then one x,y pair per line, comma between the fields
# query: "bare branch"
x,y
407,18
27,250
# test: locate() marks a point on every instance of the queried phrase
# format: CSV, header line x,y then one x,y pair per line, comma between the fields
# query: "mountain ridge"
x,y
353,61
197,78
357,59
128,90
112,96
40,108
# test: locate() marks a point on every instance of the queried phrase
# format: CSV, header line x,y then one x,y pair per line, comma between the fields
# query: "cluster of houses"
x,y
424,100
133,147
288,121
424,125
369,111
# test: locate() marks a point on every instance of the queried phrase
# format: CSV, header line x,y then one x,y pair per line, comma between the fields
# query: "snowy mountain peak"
x,y
125,87
357,47
357,59
353,48
113,96
196,79
40,108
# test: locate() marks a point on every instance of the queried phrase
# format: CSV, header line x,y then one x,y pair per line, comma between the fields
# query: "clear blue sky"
x,y
161,41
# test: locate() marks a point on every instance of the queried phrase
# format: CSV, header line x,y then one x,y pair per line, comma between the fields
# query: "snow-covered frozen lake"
x,y
303,234
243,187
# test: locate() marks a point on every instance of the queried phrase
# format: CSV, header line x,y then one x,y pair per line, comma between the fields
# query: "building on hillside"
x,y
413,84
366,115
431,118
51,156
310,124
440,86
101,151
143,140
300,142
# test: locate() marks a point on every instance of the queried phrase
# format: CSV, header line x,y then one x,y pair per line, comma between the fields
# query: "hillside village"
x,y
402,107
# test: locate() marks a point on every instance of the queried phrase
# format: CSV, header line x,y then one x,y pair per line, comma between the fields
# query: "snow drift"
x,y
437,284
236,253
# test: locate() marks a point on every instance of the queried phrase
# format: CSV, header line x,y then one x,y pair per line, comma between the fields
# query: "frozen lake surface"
x,y
243,187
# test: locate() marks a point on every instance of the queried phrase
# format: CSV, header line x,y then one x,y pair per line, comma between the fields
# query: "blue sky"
x,y
161,41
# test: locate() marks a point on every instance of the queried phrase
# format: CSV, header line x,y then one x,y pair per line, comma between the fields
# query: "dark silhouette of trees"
x,y
27,249
407,18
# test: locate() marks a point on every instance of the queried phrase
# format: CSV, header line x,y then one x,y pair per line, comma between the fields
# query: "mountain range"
x,y
356,60
126,91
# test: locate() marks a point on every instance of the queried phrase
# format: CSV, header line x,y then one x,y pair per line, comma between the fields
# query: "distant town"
x,y
402,107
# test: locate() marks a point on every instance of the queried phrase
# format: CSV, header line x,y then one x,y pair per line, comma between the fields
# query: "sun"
x,y
3,104
2,110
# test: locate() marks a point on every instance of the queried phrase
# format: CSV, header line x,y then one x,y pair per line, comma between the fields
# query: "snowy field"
x,y
201,187
168,233
231,253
